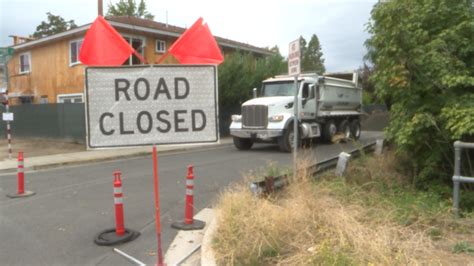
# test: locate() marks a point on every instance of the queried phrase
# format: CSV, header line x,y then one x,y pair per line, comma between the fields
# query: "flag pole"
x,y
157,207
143,60
162,58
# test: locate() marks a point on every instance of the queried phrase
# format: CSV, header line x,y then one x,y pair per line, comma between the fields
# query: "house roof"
x,y
142,25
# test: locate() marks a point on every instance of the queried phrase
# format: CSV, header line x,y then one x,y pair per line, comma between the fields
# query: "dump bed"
x,y
338,95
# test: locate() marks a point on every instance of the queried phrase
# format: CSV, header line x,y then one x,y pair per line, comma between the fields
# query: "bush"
x,y
424,67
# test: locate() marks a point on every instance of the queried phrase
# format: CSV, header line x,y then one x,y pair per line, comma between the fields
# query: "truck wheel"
x,y
243,144
345,129
286,142
329,130
355,129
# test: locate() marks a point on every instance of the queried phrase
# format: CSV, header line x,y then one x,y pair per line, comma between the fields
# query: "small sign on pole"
x,y
294,58
294,69
7,116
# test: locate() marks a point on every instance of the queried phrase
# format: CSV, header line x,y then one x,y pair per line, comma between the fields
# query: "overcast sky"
x,y
339,24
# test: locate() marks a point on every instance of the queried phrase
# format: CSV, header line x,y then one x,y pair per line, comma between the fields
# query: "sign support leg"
x,y
157,207
295,128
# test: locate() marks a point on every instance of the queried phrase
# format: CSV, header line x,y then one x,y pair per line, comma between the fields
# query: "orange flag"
x,y
197,46
103,45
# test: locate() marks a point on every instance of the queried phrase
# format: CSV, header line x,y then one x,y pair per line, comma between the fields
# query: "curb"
x,y
104,158
184,248
208,257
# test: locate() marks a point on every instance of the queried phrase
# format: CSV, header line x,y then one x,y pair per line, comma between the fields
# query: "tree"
x,y
423,54
365,73
54,24
303,44
130,8
241,72
312,57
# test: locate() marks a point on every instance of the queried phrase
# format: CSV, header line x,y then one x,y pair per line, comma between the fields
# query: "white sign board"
x,y
144,105
7,116
294,58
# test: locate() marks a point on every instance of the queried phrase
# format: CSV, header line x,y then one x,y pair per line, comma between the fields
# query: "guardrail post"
x,y
342,163
379,147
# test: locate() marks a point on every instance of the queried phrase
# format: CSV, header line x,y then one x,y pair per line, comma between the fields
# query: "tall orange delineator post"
x,y
21,180
21,174
189,222
119,234
188,212
118,201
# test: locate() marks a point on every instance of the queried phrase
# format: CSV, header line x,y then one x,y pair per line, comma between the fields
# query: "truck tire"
x,y
287,139
243,144
329,130
355,129
345,129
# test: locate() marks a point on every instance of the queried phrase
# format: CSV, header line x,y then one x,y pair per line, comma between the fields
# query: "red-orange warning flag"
x,y
103,45
197,46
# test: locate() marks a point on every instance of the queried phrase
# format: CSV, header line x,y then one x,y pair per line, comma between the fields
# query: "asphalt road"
x,y
73,204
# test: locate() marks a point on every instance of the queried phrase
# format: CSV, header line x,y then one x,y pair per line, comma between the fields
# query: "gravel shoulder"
x,y
32,147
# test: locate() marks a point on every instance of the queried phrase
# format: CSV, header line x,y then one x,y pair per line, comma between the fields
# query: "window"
x,y
26,99
74,48
70,98
43,99
281,88
308,91
160,46
25,63
137,44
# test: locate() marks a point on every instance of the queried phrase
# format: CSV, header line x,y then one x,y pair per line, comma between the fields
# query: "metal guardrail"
x,y
273,183
457,178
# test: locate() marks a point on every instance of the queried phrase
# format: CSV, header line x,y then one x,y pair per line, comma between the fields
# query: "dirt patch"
x,y
32,147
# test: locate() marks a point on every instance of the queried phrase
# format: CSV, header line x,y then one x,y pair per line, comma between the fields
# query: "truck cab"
x,y
326,105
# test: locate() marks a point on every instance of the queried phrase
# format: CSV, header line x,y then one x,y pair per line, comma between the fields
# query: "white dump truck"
x,y
327,105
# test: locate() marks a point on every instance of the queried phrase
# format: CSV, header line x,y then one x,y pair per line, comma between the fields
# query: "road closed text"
x,y
146,121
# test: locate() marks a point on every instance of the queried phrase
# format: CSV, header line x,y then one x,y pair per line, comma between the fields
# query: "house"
x,y
47,70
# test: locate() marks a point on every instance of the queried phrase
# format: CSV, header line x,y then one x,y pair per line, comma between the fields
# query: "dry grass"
x,y
325,223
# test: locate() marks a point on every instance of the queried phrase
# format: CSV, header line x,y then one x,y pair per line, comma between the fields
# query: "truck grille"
x,y
255,116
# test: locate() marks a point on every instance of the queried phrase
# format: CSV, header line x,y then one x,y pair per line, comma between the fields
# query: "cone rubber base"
x,y
109,237
196,225
23,195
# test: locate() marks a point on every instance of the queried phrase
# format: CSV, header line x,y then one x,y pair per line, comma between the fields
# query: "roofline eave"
x,y
126,26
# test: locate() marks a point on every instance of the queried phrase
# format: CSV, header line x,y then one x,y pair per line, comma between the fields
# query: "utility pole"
x,y
100,8
5,55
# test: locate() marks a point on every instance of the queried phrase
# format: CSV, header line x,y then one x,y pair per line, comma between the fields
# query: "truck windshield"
x,y
284,88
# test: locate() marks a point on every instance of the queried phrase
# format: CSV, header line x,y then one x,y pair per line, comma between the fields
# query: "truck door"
x,y
308,101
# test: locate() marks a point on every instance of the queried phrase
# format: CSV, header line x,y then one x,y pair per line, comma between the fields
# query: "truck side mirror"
x,y
255,92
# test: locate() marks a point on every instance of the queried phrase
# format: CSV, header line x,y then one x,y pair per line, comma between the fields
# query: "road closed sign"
x,y
165,104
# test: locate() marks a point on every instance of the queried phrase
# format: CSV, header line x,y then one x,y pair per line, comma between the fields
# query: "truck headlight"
x,y
236,118
276,118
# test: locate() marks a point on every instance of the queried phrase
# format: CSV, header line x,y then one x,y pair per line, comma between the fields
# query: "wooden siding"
x,y
50,73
